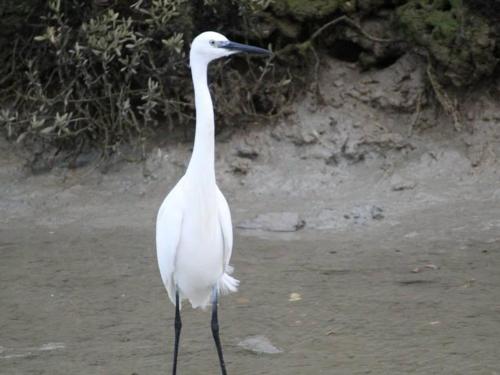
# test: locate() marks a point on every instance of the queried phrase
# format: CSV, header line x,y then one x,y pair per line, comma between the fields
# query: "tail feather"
x,y
226,283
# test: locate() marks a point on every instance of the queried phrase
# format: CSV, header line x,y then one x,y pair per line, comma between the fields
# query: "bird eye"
x,y
212,42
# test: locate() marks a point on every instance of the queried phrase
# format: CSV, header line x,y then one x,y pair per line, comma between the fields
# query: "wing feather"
x,y
168,231
227,229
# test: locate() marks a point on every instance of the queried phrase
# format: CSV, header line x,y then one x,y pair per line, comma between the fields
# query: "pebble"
x,y
259,344
399,183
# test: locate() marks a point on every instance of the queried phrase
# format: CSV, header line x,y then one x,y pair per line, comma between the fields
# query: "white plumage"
x,y
194,235
195,256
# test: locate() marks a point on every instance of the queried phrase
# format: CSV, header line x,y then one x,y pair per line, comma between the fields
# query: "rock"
x,y
339,83
399,183
274,222
245,151
305,138
259,344
240,166
250,147
376,213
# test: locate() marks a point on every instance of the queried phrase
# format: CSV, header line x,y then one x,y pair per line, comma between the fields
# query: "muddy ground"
x,y
396,270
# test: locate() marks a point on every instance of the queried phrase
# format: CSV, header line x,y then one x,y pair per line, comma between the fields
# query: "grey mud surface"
x,y
414,289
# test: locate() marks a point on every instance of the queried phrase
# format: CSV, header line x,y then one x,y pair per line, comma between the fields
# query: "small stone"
x,y
240,166
376,213
399,183
259,344
246,151
338,82
305,138
411,235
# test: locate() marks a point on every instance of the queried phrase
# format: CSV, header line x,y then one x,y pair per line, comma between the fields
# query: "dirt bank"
x,y
395,270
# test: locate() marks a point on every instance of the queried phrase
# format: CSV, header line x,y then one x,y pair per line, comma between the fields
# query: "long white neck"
x,y
201,165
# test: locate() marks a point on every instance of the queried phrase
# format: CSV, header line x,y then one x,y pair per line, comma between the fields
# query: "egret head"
x,y
210,46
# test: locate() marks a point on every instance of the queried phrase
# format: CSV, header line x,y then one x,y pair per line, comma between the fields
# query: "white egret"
x,y
194,235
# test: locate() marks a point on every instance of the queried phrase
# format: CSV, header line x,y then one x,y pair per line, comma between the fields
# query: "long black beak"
x,y
238,47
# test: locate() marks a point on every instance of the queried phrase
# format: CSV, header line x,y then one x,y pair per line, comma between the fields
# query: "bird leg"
x,y
215,331
178,326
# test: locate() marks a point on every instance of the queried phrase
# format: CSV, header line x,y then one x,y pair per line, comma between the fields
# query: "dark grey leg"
x,y
215,331
178,326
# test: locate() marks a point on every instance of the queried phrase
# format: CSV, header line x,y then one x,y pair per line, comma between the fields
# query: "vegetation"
x,y
462,43
83,74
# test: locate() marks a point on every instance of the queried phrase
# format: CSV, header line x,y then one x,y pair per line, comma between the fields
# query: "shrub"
x,y
89,76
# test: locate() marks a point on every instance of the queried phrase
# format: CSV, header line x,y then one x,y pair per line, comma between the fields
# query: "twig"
x,y
308,43
265,70
13,65
327,25
418,111
353,23
368,36
443,98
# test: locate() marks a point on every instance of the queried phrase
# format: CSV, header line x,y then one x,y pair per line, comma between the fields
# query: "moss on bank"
x,y
462,43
